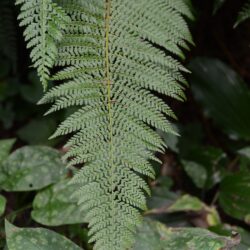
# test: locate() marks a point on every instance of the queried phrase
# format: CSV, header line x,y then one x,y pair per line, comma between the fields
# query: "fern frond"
x,y
115,55
44,22
244,14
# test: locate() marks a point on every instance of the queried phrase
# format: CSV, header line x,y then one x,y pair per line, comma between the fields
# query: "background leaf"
x,y
55,206
5,147
2,204
224,95
45,126
196,172
36,238
234,195
153,235
186,203
32,168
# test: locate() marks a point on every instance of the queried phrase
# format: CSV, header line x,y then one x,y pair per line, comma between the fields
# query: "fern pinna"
x,y
45,22
115,56
244,14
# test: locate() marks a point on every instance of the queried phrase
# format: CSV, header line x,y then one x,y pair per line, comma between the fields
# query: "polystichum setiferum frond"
x,y
116,56
45,22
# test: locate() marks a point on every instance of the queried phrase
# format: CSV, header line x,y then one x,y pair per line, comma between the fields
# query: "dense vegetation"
x,y
120,170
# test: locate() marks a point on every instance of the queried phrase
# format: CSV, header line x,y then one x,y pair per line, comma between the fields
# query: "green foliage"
x,y
2,204
110,68
36,238
44,22
234,195
54,205
186,203
32,168
117,66
5,147
156,236
45,126
196,172
244,14
230,112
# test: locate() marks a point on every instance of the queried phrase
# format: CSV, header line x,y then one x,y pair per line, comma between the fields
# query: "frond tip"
x,y
115,56
244,14
44,22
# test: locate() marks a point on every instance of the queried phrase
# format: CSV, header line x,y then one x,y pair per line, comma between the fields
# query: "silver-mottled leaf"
x,y
55,206
32,168
36,238
154,235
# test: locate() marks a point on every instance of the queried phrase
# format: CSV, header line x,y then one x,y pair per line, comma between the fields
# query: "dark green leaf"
x,y
234,195
45,126
224,95
196,172
204,165
36,238
34,91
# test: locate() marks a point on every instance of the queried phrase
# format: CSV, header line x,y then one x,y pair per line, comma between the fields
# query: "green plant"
x,y
115,56
45,22
244,14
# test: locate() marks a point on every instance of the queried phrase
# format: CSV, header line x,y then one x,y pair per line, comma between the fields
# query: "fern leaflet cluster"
x,y
244,14
116,56
45,22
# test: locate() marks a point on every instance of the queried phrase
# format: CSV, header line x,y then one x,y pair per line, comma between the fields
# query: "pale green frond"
x,y
44,23
116,59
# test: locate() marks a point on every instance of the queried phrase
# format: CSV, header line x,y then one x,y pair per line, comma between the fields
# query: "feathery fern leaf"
x,y
244,13
45,22
115,55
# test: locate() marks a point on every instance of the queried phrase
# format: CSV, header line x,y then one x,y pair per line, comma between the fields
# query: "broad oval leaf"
x,y
32,168
36,238
234,195
224,95
154,235
55,206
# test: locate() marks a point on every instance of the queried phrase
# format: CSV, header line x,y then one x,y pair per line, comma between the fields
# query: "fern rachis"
x,y
111,66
